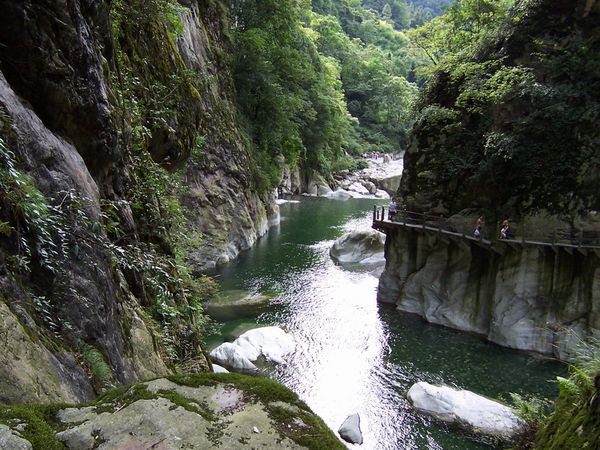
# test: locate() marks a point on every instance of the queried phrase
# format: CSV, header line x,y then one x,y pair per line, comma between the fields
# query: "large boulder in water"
x,y
236,303
364,247
231,355
350,430
270,342
316,185
467,409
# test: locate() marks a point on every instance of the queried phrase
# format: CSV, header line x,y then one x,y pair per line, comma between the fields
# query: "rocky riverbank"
x,y
380,179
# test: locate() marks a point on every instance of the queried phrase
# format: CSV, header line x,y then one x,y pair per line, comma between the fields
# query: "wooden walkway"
x,y
435,225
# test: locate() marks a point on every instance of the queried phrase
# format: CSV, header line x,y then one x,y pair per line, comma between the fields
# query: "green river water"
x,y
354,355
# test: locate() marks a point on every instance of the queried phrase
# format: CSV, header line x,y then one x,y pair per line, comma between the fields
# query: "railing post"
x,y
382,213
374,213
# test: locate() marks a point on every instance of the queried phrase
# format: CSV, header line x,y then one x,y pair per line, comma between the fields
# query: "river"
x,y
355,355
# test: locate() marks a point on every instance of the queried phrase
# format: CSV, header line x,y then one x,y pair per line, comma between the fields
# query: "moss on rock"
x,y
221,409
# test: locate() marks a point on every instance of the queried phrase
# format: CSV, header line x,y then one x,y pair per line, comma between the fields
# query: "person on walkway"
x,y
478,227
505,230
393,209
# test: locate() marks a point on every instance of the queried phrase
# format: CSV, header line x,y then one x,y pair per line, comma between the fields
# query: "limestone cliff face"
x,y
66,153
225,205
532,298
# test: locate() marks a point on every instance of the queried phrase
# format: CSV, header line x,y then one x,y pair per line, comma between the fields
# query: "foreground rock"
x,y
228,411
467,409
12,440
359,247
272,343
350,430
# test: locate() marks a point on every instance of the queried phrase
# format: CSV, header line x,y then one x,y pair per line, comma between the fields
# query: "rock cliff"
x,y
509,127
112,115
530,298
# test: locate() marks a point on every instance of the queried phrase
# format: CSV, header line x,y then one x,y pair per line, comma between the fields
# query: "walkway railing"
x,y
532,233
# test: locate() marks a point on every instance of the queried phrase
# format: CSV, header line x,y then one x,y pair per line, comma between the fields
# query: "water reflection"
x,y
354,355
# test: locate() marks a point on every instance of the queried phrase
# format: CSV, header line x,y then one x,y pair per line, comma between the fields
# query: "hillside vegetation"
x,y
509,121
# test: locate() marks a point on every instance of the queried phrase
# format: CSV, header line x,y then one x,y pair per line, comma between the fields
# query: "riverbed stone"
x,y
340,194
358,188
232,356
272,343
350,429
12,440
365,247
370,186
317,185
467,409
382,194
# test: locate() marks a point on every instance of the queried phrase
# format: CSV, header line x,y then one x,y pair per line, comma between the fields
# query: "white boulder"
x,y
350,430
474,412
219,369
11,439
382,194
358,188
369,186
340,194
233,356
317,185
364,247
271,342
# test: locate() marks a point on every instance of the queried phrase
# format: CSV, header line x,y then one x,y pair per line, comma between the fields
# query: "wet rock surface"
x,y
236,303
350,430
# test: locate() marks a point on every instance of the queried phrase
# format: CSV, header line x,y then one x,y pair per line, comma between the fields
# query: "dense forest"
x,y
319,85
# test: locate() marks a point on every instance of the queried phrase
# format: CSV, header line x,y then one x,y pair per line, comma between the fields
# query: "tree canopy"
x,y
319,81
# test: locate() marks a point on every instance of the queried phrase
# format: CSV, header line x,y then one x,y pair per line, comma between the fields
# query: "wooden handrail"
x,y
576,237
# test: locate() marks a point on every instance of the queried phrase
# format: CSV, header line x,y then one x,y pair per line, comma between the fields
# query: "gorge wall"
x,y
534,298
102,105
508,127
